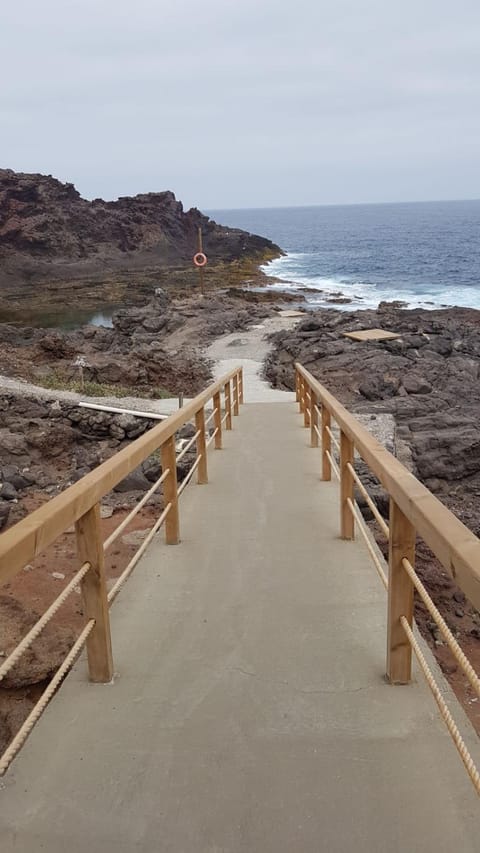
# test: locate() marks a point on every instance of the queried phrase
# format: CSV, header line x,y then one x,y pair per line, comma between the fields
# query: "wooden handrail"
x,y
25,540
455,546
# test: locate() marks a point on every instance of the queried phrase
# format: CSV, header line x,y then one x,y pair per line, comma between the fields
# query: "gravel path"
x,y
249,349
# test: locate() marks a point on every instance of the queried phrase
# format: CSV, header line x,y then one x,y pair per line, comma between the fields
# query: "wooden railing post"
x,y
326,444
202,472
306,406
217,405
236,407
347,524
94,592
301,393
170,491
400,596
297,386
228,405
313,421
240,383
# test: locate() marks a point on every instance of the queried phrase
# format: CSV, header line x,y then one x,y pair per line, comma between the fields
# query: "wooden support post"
x,y
170,491
400,596
297,386
306,406
217,405
202,473
236,407
301,392
347,522
240,378
94,592
228,405
313,421
326,444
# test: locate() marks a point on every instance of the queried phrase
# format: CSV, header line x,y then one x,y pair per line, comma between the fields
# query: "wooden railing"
x,y
414,511
79,505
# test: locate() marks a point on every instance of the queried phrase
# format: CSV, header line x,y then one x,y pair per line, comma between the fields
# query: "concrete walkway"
x,y
249,713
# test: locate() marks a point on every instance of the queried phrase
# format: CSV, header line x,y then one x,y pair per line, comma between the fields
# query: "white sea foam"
x,y
292,269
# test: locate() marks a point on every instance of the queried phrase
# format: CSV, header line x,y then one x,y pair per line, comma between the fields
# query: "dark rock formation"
x,y
48,231
153,348
428,379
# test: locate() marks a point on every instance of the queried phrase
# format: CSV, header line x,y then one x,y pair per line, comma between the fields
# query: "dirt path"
x,y
250,349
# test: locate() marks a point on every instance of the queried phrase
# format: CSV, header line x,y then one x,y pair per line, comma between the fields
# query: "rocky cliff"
x,y
49,232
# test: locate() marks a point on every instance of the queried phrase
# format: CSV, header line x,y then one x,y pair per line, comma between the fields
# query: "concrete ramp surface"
x,y
249,711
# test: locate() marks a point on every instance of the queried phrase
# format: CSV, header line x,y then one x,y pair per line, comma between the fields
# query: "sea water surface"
x,y
426,254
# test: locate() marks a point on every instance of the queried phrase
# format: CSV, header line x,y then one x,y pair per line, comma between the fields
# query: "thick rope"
x,y
443,708
208,443
363,530
333,464
42,622
133,562
210,417
381,521
188,446
189,475
42,703
443,627
334,440
126,521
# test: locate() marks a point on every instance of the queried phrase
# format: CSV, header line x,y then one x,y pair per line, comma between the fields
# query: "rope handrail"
x,y
333,439
133,562
455,546
190,474
79,505
361,526
28,538
334,465
443,707
380,520
38,709
214,433
188,446
28,639
136,509
401,534
455,648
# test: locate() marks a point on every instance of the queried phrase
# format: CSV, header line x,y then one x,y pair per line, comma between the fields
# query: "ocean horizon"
x,y
425,254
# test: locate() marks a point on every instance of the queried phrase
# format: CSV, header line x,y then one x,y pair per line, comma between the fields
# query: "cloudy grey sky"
x,y
245,103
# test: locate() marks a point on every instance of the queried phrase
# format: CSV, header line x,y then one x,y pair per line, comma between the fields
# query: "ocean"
x,y
426,254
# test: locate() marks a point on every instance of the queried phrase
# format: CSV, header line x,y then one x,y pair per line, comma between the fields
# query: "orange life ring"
x,y
199,259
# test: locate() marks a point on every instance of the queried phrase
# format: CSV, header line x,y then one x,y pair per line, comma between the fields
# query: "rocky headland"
x,y
56,245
